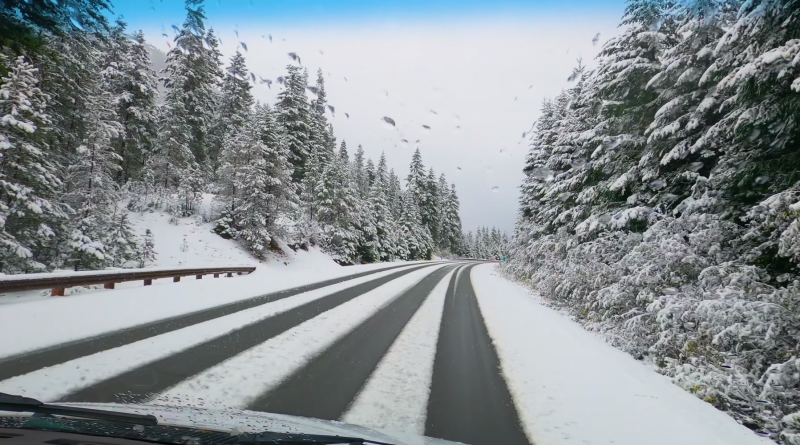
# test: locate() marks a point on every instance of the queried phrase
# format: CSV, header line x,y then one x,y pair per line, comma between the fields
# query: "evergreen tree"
x,y
235,104
294,117
30,209
193,65
147,253
129,78
266,177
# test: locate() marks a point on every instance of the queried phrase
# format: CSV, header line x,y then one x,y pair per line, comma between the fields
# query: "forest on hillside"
x,y
661,205
87,125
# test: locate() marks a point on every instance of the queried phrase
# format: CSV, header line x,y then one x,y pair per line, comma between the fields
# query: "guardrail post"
x,y
57,292
199,277
148,282
238,273
108,286
216,275
176,279
230,274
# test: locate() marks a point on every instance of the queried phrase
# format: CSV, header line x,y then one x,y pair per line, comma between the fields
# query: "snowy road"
x,y
445,349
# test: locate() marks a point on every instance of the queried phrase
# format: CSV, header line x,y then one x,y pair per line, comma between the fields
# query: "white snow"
x,y
396,395
571,388
237,381
54,382
59,320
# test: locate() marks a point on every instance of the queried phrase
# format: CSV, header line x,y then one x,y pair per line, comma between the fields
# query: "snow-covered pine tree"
x,y
430,209
147,253
339,210
122,243
294,117
128,76
30,209
452,221
321,136
91,189
359,175
270,193
193,64
235,106
414,234
237,138
385,232
172,157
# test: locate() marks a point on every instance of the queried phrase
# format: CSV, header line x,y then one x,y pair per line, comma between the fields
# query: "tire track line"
x,y
20,364
142,383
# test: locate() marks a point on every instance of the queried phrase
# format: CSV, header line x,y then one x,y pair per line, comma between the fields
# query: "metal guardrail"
x,y
59,284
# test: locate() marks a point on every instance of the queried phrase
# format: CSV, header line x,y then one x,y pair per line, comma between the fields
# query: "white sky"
x,y
492,73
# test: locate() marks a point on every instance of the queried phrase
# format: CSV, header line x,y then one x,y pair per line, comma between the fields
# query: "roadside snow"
x,y
396,395
60,320
239,380
571,388
54,382
191,243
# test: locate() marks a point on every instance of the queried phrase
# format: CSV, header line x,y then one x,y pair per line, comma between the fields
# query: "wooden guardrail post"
x,y
176,279
230,274
216,275
108,286
148,282
199,277
57,292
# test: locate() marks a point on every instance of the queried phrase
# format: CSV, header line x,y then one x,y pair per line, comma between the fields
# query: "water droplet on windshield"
x,y
573,76
280,80
176,29
761,180
390,122
434,113
427,127
542,173
270,38
695,166
76,23
496,189
313,90
596,39
458,168
296,58
253,77
330,107
243,45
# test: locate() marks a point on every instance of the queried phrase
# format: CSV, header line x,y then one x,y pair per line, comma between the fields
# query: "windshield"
x,y
487,222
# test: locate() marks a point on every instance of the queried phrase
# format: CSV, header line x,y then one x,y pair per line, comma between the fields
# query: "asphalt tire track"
x,y
142,383
326,386
20,364
469,400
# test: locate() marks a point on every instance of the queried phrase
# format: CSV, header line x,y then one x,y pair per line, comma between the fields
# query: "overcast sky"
x,y
482,65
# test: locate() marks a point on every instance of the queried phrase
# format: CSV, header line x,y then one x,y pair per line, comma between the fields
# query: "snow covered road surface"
x,y
448,349
60,320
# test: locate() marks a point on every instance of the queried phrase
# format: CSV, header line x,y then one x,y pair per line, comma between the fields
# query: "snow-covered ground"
x,y
191,243
572,388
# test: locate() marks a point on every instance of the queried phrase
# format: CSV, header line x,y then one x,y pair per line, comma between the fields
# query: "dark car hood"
x,y
238,421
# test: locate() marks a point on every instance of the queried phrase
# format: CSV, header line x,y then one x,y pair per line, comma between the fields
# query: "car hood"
x,y
238,421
